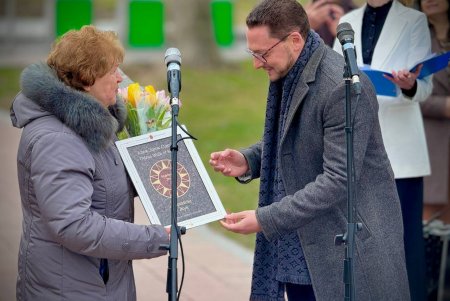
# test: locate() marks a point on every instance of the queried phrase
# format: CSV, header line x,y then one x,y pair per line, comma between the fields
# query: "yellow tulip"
x,y
134,94
150,97
150,89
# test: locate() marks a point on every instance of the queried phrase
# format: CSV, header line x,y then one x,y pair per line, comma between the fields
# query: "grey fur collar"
x,y
77,110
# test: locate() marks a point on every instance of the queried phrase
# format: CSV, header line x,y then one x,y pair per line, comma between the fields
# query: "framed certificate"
x,y
148,161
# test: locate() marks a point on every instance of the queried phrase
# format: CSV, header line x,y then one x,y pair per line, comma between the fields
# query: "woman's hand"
x,y
404,78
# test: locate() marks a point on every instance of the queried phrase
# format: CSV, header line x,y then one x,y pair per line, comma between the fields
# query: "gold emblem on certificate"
x,y
160,178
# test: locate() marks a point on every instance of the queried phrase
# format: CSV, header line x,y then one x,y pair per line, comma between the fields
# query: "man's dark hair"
x,y
281,16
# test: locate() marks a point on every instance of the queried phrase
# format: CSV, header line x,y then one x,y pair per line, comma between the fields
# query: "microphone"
x,y
345,35
172,59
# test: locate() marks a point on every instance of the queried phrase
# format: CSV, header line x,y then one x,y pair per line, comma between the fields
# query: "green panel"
x,y
146,23
222,18
72,14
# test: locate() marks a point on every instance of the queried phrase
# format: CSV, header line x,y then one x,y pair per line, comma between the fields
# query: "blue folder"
x,y
383,86
433,64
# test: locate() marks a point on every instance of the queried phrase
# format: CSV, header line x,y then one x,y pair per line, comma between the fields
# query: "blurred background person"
x,y
436,113
324,15
78,236
392,37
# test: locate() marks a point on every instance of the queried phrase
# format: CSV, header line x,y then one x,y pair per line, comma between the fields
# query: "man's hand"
x,y
229,162
243,222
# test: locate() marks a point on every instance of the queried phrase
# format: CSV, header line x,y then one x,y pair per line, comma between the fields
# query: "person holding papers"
x,y
392,38
436,113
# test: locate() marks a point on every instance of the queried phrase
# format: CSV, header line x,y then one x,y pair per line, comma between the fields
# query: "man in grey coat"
x,y
301,163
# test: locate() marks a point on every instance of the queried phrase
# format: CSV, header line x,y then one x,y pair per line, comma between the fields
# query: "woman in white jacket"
x,y
391,37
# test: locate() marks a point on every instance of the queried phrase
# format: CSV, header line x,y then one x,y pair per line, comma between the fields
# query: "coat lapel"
x,y
389,35
392,29
302,88
356,24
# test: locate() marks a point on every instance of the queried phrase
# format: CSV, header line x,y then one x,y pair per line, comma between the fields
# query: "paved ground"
x,y
216,268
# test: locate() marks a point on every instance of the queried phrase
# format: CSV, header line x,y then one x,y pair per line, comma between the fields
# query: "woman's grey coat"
x,y
77,200
313,168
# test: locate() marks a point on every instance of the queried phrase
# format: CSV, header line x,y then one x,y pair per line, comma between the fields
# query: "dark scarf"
x,y
278,261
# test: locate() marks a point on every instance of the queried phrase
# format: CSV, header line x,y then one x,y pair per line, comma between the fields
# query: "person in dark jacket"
x,y
78,236
301,164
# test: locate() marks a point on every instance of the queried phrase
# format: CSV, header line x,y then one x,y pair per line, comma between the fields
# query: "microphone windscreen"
x,y
345,33
172,55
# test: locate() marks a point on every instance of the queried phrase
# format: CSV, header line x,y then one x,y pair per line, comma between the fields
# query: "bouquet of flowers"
x,y
148,110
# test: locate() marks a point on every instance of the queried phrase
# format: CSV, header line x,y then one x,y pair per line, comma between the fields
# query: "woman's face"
x,y
433,7
105,88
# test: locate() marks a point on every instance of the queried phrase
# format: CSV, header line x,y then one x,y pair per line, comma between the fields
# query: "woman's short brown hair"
x,y
79,57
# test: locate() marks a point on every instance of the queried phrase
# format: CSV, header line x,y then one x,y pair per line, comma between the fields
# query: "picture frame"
x,y
147,159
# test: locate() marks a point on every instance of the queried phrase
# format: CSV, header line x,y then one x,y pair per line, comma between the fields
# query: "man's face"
x,y
276,56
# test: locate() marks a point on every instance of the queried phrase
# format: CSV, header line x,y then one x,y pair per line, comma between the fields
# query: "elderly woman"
x,y
78,236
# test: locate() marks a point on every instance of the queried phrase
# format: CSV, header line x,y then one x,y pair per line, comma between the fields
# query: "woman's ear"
x,y
87,88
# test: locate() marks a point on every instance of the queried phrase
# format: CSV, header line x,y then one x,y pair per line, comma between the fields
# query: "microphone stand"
x,y
175,231
349,237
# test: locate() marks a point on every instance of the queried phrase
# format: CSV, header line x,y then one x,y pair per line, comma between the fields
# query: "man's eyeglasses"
x,y
261,56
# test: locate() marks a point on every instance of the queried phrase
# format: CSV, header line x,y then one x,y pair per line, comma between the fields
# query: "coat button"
x,y
125,246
